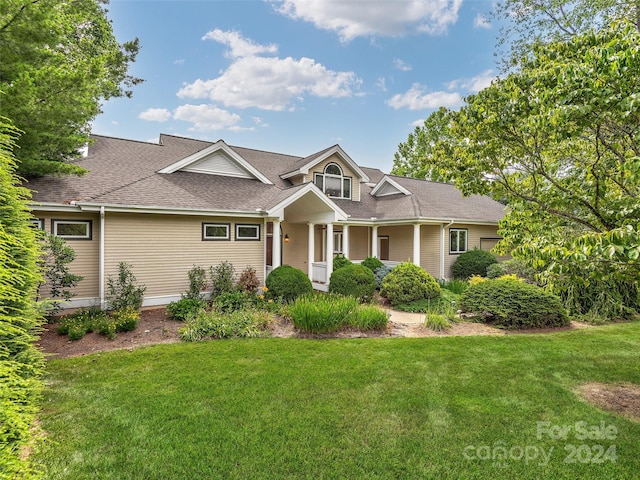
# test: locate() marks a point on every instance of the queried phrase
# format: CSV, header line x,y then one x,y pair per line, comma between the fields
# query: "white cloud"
x,y
179,61
238,46
354,19
400,65
272,83
381,83
416,98
481,22
155,115
473,84
207,117
418,123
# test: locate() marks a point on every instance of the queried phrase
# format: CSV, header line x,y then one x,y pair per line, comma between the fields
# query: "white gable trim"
x,y
386,180
304,170
241,163
278,209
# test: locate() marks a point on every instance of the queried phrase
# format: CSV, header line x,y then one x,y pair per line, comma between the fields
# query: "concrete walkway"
x,y
406,317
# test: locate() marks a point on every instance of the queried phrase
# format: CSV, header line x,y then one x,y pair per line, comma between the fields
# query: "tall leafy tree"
x,y
20,362
560,139
60,59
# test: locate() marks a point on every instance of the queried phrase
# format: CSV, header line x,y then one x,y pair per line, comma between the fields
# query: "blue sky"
x,y
297,76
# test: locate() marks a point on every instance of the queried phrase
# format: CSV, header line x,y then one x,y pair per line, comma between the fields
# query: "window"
x,y
247,232
337,242
72,229
333,182
216,231
457,240
38,223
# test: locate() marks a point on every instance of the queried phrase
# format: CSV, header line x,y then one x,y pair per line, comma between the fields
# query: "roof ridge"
x,y
420,179
265,151
146,142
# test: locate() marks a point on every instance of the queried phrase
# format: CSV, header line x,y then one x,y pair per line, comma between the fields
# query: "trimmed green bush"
x,y
512,303
372,263
380,273
184,308
286,282
353,280
407,283
473,262
340,261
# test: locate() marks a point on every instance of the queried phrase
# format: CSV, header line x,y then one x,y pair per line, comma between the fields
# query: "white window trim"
x,y
256,226
88,223
38,223
337,242
457,243
341,177
206,237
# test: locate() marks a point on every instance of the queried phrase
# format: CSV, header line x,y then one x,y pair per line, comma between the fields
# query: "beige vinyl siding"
x,y
346,171
400,242
359,242
163,248
87,261
430,249
474,234
294,253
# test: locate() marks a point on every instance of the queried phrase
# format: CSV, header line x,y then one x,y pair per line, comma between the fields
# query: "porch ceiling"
x,y
309,208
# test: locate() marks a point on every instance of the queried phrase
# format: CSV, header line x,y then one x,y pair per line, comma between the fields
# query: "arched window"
x,y
333,182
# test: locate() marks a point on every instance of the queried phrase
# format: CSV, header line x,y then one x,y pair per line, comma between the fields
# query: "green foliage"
x,y
455,286
85,320
246,323
222,278
340,261
55,267
512,303
473,262
372,263
122,291
126,319
354,280
59,61
286,282
326,313
248,280
496,270
184,308
21,363
231,301
437,322
197,283
408,282
380,273
446,303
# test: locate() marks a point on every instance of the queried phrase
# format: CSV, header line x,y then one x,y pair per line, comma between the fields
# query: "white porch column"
x,y
442,251
275,251
345,240
416,244
374,241
311,247
329,255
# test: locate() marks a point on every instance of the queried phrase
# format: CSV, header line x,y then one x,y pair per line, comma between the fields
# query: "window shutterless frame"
x,y
216,231
72,229
247,231
458,238
38,223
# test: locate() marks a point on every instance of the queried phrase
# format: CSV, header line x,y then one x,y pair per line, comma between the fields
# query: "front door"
x,y
383,248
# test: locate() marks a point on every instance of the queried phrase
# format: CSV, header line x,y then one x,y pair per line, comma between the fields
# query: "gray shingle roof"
x,y
124,172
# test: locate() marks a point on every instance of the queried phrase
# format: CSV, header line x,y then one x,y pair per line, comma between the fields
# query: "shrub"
x,y
437,322
221,278
80,322
369,317
126,319
512,303
184,308
231,301
197,282
446,303
239,324
122,292
372,263
323,313
408,282
55,267
380,273
475,279
473,262
455,286
340,261
248,280
286,282
354,280
496,270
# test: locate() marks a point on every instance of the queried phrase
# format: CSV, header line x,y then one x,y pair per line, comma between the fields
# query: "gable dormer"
x,y
217,159
388,186
332,171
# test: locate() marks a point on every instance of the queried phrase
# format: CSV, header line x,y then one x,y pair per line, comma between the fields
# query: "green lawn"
x,y
361,408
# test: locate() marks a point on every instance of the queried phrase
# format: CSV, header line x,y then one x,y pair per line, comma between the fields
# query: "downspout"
x,y
443,227
101,260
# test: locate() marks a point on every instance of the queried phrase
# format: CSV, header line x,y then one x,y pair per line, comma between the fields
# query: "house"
x,y
166,207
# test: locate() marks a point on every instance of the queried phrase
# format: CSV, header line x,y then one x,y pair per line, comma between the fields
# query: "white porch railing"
x,y
319,272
